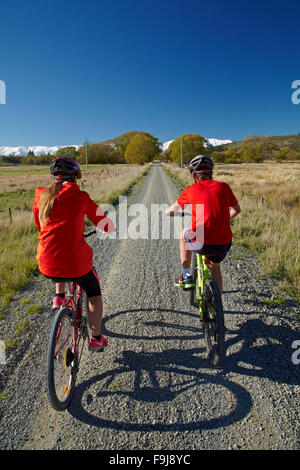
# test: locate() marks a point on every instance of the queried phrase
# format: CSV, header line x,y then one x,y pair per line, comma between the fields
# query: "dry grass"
x,y
269,195
18,238
106,184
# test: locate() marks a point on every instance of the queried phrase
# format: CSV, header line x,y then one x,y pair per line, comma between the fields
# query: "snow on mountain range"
x,y
43,149
22,151
210,142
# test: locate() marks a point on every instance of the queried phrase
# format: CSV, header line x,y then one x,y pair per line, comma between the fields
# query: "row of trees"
x,y
255,148
138,148
142,147
131,147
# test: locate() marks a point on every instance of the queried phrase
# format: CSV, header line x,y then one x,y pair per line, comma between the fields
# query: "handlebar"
x,y
93,231
89,234
181,214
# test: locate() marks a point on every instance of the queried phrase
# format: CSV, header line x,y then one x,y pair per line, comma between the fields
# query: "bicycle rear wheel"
x,y
213,322
61,361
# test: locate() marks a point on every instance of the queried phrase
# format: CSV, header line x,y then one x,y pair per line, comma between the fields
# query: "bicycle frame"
x,y
75,304
203,274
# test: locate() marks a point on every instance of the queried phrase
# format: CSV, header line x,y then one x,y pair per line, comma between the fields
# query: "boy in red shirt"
x,y
213,204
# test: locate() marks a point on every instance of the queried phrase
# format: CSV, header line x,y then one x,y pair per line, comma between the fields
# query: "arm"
x,y
35,211
234,211
171,211
96,215
36,207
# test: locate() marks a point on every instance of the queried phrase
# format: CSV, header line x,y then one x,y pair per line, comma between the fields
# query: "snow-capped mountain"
x,y
215,142
210,142
22,151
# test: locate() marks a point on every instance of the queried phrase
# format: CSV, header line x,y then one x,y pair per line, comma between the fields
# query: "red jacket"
x,y
63,251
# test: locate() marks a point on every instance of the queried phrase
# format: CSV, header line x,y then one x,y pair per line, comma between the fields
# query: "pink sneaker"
x,y
98,344
58,302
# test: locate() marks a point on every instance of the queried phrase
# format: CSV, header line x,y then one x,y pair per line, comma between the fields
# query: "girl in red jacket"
x,y
62,254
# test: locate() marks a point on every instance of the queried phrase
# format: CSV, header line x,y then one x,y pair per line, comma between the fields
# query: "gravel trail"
x,y
153,387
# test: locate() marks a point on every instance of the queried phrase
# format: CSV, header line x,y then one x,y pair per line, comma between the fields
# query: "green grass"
x,y
33,309
22,324
274,301
21,199
17,259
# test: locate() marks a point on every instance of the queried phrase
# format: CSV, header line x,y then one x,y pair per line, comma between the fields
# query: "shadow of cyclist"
x,y
265,351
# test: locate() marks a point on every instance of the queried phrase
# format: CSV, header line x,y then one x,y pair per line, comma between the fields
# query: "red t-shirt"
x,y
63,251
216,197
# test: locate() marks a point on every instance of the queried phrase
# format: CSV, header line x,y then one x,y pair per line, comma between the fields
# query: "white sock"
x,y
186,272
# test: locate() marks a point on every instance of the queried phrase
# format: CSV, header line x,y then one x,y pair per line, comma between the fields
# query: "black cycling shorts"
x,y
89,282
215,253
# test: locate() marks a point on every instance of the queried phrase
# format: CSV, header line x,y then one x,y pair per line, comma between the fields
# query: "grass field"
x,y
18,234
269,196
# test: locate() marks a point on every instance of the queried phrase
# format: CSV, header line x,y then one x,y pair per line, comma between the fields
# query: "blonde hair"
x,y
47,201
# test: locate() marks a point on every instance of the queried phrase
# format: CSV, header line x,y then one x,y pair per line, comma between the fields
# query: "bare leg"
x,y
95,312
215,270
185,255
60,288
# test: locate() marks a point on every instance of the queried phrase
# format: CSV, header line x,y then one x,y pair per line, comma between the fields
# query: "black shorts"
x,y
215,253
89,282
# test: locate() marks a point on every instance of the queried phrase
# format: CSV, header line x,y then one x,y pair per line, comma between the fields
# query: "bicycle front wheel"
x,y
213,322
61,361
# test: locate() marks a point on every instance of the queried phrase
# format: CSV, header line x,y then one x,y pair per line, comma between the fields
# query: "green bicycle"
x,y
206,297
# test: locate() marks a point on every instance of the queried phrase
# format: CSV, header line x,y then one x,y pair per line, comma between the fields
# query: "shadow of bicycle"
x,y
169,390
175,387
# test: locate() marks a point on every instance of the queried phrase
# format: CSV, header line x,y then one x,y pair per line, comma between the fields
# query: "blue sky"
x,y
96,69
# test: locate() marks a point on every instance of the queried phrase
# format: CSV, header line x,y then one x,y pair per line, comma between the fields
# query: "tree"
x,y
101,152
121,143
141,149
192,145
69,152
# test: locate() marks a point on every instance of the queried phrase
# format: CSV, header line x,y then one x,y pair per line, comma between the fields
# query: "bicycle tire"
x,y
194,294
61,361
213,323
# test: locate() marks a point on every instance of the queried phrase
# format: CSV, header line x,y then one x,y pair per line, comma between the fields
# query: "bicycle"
x,y
69,331
207,298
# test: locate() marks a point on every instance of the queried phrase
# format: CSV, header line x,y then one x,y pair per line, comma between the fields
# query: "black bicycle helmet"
x,y
63,167
201,164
